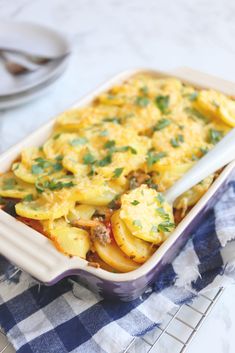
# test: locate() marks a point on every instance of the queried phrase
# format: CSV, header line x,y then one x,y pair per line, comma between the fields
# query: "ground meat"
x,y
137,178
102,233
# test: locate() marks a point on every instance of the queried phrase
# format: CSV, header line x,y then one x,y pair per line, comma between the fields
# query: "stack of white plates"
x,y
37,41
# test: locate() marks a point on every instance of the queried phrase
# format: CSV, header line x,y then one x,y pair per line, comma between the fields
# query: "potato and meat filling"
x,y
95,187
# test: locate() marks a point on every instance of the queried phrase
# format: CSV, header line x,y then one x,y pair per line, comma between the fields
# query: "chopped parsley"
x,y
42,163
161,124
203,150
193,96
9,184
175,142
105,161
151,184
88,158
28,198
37,169
160,198
114,120
78,141
135,202
165,226
59,158
142,101
125,149
109,144
162,103
104,133
153,157
137,223
56,136
52,185
194,113
57,167
144,90
117,172
215,136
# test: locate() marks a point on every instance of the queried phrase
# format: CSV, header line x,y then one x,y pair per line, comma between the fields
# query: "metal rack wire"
x,y
173,335
178,330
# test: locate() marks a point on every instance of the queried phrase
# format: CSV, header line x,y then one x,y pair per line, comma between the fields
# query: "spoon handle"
x,y
218,157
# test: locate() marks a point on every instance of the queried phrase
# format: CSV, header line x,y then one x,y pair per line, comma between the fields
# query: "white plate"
x,y
22,98
35,39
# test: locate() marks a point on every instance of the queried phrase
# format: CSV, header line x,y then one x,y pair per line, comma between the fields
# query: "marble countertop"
x,y
113,35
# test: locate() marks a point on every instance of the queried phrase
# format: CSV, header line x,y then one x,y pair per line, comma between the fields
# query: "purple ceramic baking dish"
x,y
34,253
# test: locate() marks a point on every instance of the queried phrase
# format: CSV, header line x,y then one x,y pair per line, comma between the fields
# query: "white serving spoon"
x,y
218,157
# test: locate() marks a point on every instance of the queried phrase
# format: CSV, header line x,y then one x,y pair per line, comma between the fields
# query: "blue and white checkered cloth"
x,y
69,318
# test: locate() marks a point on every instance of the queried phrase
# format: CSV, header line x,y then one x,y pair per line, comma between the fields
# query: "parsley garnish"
x,y
105,161
160,198
114,120
142,101
162,103
175,142
137,223
165,226
161,124
194,113
56,136
78,141
215,136
135,202
125,149
28,198
117,172
37,169
57,167
193,96
52,185
144,90
109,144
203,150
88,158
9,183
153,157
104,133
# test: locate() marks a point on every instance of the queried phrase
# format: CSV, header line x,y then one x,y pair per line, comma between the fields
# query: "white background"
x,y
110,36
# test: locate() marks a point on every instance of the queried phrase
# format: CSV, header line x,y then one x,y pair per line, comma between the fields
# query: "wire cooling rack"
x,y
173,336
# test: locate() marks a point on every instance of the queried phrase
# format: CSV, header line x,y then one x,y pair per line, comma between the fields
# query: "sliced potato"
x,y
81,212
11,186
216,105
71,240
55,206
137,249
147,215
191,197
114,257
95,191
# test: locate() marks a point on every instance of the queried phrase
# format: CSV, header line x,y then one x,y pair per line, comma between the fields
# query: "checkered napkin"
x,y
69,318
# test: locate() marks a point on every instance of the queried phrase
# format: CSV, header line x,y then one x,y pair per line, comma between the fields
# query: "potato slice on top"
x,y
50,206
147,215
11,186
114,257
216,105
70,240
137,249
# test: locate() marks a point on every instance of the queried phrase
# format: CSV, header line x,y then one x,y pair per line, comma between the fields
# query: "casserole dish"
x,y
35,254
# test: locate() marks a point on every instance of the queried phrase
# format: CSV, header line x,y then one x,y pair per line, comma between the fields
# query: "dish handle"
x,y
201,79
